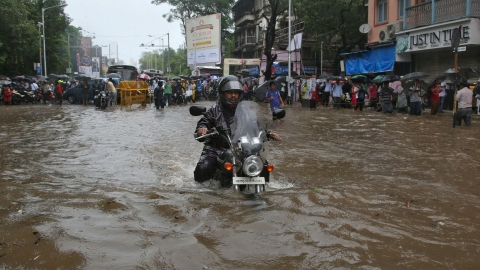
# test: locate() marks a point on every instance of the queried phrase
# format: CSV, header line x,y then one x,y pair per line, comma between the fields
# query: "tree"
x,y
277,7
19,36
340,21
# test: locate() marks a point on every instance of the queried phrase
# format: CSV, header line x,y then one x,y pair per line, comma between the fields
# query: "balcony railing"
x,y
443,10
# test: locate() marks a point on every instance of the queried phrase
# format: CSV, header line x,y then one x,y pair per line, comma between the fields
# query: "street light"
x,y
44,48
40,41
168,46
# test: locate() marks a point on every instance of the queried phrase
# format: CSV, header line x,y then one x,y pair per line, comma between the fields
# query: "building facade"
x,y
250,30
421,32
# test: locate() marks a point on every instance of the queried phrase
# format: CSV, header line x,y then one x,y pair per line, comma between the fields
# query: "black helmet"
x,y
229,83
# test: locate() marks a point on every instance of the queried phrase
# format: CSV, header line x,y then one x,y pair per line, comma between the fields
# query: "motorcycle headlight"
x,y
253,166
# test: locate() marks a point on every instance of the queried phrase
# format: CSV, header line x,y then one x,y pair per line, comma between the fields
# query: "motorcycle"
x,y
50,96
242,165
180,98
212,93
100,99
17,97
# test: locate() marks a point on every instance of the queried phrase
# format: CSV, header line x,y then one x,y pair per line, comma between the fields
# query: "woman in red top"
x,y
7,95
434,97
59,92
372,95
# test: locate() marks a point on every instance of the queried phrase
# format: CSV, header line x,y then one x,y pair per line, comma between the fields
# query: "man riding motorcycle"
x,y
221,113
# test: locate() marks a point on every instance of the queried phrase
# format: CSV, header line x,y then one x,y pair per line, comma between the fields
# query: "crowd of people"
x,y
387,96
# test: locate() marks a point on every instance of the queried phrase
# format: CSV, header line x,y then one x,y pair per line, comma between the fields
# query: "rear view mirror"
x,y
278,114
197,110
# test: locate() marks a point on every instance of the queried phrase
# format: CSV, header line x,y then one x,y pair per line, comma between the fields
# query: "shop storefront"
x,y
430,48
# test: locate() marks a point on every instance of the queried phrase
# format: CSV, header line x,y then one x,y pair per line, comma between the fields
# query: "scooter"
x,y
241,164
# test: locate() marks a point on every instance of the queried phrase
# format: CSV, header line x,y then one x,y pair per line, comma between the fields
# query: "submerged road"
x,y
114,189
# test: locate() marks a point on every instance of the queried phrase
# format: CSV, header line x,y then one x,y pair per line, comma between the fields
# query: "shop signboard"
x,y
203,39
438,36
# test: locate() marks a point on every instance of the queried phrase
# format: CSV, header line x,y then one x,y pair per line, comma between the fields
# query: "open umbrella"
x,y
184,77
63,77
176,78
409,84
378,78
144,76
323,76
440,77
4,78
360,78
82,77
263,89
114,75
389,78
5,82
414,76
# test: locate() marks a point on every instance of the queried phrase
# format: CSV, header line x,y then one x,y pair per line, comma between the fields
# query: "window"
x,y
401,5
382,10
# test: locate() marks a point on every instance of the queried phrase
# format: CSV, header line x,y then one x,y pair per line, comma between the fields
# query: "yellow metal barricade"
x,y
133,92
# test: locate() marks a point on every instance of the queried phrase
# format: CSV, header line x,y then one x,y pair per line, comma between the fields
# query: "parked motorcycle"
x,y
242,165
50,97
100,99
17,97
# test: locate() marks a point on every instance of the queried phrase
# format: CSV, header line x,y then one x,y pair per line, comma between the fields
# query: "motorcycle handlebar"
x,y
209,133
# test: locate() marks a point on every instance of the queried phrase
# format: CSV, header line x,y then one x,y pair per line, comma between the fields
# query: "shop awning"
x,y
379,59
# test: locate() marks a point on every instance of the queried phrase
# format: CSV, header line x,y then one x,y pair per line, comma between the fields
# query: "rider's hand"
x,y
202,131
274,136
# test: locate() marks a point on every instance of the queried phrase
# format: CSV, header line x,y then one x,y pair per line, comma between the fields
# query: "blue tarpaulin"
x,y
376,60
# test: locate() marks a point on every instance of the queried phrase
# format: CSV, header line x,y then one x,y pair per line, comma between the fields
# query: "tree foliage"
x,y
20,37
335,23
175,59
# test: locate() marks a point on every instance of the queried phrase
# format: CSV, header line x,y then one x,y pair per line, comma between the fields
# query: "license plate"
x,y
249,180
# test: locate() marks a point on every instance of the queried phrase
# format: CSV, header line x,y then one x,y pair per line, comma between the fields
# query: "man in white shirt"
x,y
464,110
326,93
442,95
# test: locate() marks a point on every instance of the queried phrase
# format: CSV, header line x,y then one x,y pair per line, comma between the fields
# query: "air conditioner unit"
x,y
383,35
262,26
394,28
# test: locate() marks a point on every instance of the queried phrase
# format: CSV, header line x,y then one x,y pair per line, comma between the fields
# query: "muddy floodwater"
x,y
89,189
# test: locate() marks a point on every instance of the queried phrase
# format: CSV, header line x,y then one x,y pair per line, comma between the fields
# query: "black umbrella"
x,y
264,87
360,79
390,78
281,79
4,78
439,77
423,84
323,76
176,78
184,77
63,77
414,76
114,75
82,77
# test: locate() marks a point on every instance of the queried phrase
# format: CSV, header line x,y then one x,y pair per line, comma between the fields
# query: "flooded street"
x,y
114,189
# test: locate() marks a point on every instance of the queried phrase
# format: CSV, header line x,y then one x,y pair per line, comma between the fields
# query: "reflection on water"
x,y
350,190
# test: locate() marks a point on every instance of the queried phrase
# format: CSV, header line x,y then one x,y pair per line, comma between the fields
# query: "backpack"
x,y
361,94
